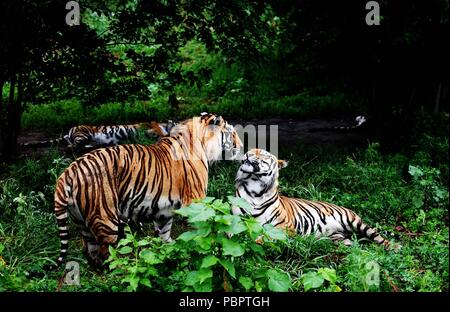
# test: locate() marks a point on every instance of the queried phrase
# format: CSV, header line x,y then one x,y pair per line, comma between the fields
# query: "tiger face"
x,y
260,163
221,136
257,178
214,134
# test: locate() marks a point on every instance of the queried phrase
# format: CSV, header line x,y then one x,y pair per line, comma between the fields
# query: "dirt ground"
x,y
290,132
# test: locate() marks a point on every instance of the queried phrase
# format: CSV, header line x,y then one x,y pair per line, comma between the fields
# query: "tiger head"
x,y
214,134
259,170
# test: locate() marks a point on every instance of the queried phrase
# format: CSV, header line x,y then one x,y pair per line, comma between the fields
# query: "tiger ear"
x,y
282,163
216,121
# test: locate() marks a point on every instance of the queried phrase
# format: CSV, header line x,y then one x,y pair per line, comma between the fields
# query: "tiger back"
x,y
84,137
92,136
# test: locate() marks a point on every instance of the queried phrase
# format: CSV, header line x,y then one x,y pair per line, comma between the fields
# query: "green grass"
x,y
61,115
410,204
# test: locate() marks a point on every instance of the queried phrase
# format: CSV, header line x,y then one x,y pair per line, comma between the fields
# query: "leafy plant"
x,y
428,190
318,279
220,252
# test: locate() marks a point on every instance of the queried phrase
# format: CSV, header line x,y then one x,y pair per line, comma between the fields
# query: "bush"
x,y
219,253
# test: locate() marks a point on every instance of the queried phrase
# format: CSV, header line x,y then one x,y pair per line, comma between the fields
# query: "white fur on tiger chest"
x,y
255,202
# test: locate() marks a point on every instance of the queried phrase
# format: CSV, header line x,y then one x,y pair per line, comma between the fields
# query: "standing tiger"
x,y
94,136
257,182
135,183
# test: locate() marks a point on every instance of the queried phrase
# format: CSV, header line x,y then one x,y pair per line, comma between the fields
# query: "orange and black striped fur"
x,y
84,137
108,187
257,182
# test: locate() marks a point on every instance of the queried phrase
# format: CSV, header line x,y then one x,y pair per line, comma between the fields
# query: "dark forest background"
x,y
275,58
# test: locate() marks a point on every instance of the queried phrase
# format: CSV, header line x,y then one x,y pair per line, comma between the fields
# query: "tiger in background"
x,y
108,187
257,183
85,137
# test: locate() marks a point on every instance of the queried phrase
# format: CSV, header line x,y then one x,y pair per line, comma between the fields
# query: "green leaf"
x,y
133,282
333,288
258,286
232,224
152,271
240,202
125,250
207,200
183,211
206,286
415,171
202,215
259,273
274,233
225,219
417,201
204,242
328,274
229,266
191,278
187,236
204,230
204,274
236,227
143,242
246,282
231,248
254,226
146,282
196,212
224,208
278,281
150,257
257,248
312,280
208,261
124,241
187,289
118,272
199,276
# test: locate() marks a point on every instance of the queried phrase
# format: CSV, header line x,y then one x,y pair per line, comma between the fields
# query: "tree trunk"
x,y
11,125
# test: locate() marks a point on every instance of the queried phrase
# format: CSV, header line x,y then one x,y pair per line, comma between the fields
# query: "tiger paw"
x,y
259,240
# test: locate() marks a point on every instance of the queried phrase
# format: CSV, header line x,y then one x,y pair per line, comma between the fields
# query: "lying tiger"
x,y
257,183
85,137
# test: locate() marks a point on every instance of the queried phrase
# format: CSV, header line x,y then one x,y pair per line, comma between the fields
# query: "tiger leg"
x,y
90,249
163,225
105,242
339,237
106,234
